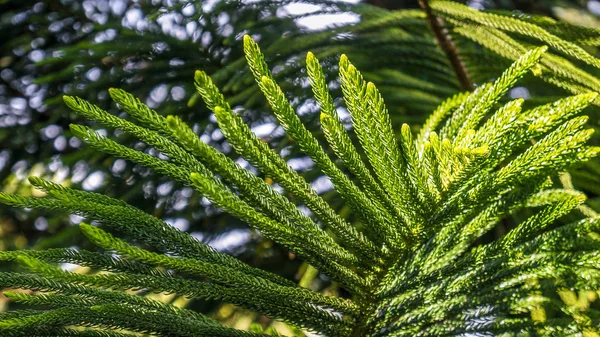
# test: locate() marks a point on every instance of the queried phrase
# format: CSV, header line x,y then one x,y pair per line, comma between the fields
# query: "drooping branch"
x,y
445,42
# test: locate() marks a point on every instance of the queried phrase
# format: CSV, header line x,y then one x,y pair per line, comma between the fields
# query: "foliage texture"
x,y
89,47
416,264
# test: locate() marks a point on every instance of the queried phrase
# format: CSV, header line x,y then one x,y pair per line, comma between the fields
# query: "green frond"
x,y
418,256
139,111
291,297
256,190
381,229
304,246
101,143
442,112
132,222
339,140
473,110
459,11
161,143
537,222
553,69
371,124
259,154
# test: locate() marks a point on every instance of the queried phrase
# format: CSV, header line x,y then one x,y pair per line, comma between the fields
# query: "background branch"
x,y
445,42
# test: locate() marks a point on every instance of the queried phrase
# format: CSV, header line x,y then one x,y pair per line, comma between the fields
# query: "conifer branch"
x,y
471,167
445,42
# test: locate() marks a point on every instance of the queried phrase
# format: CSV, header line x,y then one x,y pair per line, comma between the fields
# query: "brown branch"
x,y
445,42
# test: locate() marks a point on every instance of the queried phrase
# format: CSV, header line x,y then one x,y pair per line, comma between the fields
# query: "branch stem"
x,y
445,42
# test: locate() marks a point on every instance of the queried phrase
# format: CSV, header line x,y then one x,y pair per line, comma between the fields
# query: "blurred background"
x,y
151,49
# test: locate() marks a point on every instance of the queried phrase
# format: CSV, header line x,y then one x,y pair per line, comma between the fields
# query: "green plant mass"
x,y
418,260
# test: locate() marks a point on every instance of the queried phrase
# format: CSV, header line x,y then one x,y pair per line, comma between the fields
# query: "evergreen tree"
x,y
418,263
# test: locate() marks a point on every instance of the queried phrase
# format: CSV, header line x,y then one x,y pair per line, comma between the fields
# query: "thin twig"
x,y
445,42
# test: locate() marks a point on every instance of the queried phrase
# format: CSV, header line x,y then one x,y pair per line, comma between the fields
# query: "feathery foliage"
x,y
88,48
418,262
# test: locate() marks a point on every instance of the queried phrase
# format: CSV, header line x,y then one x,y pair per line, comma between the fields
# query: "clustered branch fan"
x,y
83,55
414,265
